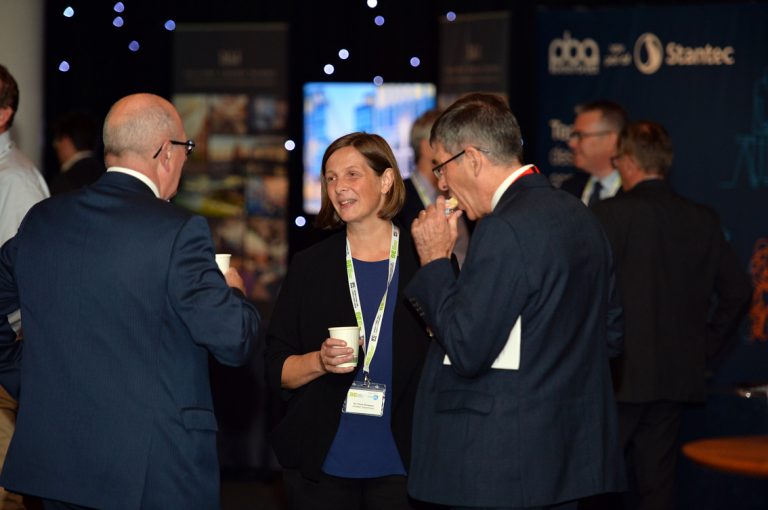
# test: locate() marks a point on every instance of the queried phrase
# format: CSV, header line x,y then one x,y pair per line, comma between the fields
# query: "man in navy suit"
x,y
121,304
515,407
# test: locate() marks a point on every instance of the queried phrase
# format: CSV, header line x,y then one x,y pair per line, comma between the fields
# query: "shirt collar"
x,y
140,176
5,142
506,184
77,156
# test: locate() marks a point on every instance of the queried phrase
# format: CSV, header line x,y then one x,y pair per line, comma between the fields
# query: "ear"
x,y
387,179
475,159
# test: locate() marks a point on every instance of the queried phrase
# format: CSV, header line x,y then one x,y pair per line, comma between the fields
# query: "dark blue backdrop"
x,y
701,71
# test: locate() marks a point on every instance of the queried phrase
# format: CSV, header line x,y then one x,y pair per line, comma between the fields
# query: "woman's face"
x,y
355,191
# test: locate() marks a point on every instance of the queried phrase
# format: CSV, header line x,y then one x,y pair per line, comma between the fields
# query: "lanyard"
x,y
370,350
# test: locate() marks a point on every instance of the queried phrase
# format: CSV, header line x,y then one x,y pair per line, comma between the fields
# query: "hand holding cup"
x,y
339,353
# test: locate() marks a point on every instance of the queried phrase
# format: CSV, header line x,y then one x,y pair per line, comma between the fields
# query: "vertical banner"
x,y
230,89
474,55
231,92
702,72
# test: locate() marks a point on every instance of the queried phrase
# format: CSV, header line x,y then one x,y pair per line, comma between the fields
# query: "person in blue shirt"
x,y
340,447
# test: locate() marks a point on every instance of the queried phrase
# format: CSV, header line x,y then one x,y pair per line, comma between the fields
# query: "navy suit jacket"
x,y
121,304
544,433
84,172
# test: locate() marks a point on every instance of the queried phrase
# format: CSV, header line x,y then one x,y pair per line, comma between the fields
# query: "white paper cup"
x,y
222,260
351,335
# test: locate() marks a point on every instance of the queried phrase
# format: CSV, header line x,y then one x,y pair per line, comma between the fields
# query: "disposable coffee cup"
x,y
222,260
351,335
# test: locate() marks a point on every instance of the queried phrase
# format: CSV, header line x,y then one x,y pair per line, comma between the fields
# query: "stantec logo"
x,y
649,53
572,56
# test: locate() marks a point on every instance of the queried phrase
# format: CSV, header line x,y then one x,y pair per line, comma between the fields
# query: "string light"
x,y
64,66
343,54
134,46
69,12
415,61
289,145
328,69
170,25
379,20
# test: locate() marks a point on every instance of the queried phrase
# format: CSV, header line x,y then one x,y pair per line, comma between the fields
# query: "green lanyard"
x,y
370,350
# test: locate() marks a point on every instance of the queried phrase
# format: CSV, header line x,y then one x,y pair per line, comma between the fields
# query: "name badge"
x,y
365,399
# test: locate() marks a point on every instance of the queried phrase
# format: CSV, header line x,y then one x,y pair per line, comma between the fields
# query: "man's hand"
x,y
435,233
234,280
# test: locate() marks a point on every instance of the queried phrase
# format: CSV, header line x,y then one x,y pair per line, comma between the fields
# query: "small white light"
x,y
379,20
64,66
69,12
119,7
372,3
118,21
328,69
134,46
170,25
415,62
300,221
378,80
450,16
343,54
289,145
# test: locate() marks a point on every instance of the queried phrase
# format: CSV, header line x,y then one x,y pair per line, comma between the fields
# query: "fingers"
x,y
334,352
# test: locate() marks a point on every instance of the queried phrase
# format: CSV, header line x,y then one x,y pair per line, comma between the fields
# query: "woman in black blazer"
x,y
336,452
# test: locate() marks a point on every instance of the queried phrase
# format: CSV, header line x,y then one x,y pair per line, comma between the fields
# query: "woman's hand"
x,y
334,352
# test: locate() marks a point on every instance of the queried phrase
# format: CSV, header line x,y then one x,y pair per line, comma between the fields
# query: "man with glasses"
x,y
515,407
683,291
593,141
122,303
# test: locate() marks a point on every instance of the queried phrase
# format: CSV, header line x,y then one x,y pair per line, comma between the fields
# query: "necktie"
x,y
595,196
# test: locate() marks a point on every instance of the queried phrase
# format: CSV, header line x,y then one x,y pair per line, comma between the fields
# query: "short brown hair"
x,y
612,113
9,93
649,143
379,157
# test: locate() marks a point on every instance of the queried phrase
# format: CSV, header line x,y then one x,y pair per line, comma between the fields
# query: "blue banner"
x,y
701,71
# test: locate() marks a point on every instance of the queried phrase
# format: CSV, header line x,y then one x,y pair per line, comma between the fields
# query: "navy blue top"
x,y
364,446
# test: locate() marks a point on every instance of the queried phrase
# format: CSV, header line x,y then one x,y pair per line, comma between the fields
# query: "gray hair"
x,y
420,130
483,121
140,130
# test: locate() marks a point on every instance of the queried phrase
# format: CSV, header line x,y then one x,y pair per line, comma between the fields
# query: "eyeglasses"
x,y
189,144
579,136
438,170
615,160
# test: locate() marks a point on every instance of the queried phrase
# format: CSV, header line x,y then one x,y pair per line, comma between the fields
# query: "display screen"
x,y
333,109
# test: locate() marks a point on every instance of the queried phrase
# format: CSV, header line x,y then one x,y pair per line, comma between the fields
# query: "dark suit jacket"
x,y
121,304
544,433
671,259
84,172
411,207
314,296
575,183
